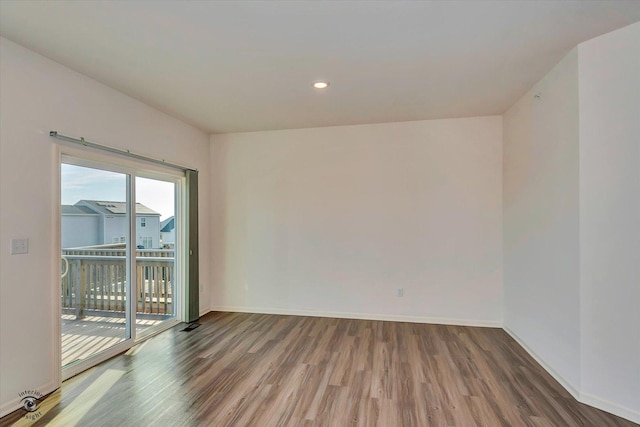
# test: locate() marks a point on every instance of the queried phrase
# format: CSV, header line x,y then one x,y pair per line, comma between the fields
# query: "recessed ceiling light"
x,y
321,85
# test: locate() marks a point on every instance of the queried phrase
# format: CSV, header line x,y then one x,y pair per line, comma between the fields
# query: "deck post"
x,y
81,291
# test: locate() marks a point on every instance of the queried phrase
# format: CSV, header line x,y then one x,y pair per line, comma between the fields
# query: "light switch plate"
x,y
19,246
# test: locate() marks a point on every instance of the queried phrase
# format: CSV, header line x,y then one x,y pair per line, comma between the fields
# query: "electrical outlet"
x,y
19,246
400,292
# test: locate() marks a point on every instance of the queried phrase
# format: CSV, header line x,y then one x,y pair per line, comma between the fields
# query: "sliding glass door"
x,y
156,248
120,243
96,279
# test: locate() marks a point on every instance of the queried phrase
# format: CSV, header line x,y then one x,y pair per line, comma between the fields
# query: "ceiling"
x,y
246,66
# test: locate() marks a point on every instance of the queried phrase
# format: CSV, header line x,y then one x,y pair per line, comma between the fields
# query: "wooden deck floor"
x,y
84,337
266,370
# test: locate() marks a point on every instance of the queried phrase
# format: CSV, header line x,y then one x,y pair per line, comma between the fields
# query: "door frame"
x,y
132,169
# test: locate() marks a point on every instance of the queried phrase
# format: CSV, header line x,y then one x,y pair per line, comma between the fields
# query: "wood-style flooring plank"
x,y
267,370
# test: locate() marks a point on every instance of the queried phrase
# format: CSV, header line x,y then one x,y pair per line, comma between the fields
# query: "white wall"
x,y
610,218
571,229
331,221
541,220
38,95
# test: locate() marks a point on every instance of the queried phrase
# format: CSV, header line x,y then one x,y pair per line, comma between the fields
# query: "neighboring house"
x,y
95,222
168,230
80,227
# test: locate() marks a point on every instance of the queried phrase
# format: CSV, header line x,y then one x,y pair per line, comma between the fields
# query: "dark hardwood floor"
x,y
266,370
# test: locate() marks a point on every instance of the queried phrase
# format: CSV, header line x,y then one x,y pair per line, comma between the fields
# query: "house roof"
x,y
167,225
76,210
114,208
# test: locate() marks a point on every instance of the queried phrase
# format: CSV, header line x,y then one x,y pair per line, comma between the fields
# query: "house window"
x,y
143,222
147,242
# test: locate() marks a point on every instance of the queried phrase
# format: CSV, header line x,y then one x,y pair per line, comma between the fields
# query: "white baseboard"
x,y
362,316
586,398
612,408
574,391
204,311
16,403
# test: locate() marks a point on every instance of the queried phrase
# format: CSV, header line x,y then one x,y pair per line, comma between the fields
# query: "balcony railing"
x,y
96,281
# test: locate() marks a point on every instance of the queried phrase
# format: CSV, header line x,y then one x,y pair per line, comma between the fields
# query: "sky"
x,y
94,184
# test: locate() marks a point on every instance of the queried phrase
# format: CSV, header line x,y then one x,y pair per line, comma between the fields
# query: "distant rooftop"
x,y
167,225
76,210
114,208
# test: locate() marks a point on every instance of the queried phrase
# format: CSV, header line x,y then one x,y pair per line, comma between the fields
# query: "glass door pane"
x,y
155,253
94,236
